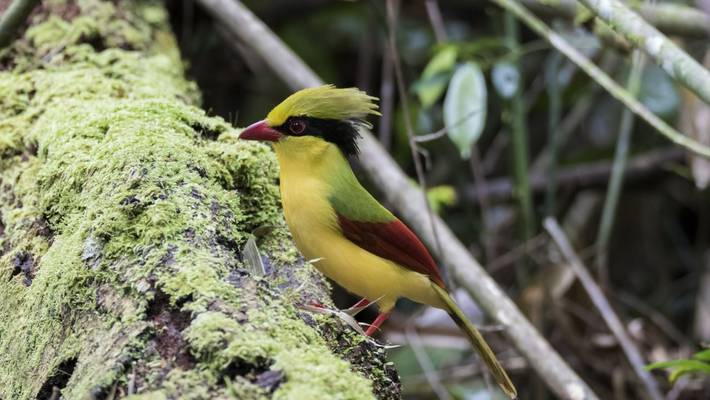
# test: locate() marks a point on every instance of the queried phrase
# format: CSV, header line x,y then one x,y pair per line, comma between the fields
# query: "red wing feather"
x,y
393,241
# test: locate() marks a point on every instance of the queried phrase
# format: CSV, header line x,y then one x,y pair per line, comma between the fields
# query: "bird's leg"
x,y
382,317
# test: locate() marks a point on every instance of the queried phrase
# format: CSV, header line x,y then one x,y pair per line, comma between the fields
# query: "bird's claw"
x,y
319,308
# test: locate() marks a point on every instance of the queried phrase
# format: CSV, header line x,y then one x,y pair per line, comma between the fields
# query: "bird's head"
x,y
315,117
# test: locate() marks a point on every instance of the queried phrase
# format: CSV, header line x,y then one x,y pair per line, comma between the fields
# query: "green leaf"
x,y
436,75
681,367
465,107
664,364
688,367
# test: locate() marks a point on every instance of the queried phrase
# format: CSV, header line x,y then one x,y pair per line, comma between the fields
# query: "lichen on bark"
x,y
123,209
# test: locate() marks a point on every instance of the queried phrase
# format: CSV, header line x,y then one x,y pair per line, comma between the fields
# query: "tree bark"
x,y
123,212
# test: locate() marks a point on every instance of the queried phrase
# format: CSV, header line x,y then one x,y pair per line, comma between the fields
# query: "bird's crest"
x,y
325,102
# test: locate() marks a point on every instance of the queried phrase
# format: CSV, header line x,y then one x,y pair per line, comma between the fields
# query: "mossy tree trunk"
x,y
123,209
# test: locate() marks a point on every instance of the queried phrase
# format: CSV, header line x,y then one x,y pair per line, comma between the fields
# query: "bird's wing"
x,y
394,241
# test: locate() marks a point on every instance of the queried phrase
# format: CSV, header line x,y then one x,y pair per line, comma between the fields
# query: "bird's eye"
x,y
297,126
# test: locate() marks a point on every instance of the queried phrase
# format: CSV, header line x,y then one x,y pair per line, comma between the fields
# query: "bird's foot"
x,y
346,316
375,326
319,308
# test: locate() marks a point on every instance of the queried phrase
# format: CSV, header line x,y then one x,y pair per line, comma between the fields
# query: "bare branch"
x,y
597,296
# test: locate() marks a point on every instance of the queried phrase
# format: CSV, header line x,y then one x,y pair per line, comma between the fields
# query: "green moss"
x,y
280,343
192,385
124,208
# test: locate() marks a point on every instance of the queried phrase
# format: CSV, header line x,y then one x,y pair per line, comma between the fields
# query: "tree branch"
x,y
677,63
673,19
398,190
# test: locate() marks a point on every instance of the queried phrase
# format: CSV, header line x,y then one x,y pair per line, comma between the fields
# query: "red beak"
x,y
260,131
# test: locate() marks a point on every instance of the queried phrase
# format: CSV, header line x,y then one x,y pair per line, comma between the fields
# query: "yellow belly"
x,y
313,225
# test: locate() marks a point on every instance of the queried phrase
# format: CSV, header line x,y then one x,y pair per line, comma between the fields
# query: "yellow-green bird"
x,y
356,241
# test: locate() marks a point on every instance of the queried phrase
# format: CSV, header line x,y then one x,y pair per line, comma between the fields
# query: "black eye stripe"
x,y
343,134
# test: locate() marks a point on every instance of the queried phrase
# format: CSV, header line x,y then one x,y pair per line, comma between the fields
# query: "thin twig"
x,y
428,137
607,312
399,191
12,18
554,94
384,132
519,136
436,20
603,79
656,317
488,235
557,278
617,172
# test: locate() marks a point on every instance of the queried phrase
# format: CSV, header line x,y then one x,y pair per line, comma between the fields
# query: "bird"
x,y
351,238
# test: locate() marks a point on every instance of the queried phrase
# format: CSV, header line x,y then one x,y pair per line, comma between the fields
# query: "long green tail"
x,y
478,342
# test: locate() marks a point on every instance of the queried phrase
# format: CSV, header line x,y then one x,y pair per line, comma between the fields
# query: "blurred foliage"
x,y
441,196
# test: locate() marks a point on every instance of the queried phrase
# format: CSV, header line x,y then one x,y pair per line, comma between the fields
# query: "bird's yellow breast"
x,y
314,226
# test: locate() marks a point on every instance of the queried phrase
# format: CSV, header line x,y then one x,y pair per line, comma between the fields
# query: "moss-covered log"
x,y
123,209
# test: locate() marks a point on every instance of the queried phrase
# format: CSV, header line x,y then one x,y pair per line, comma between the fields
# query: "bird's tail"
x,y
484,351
